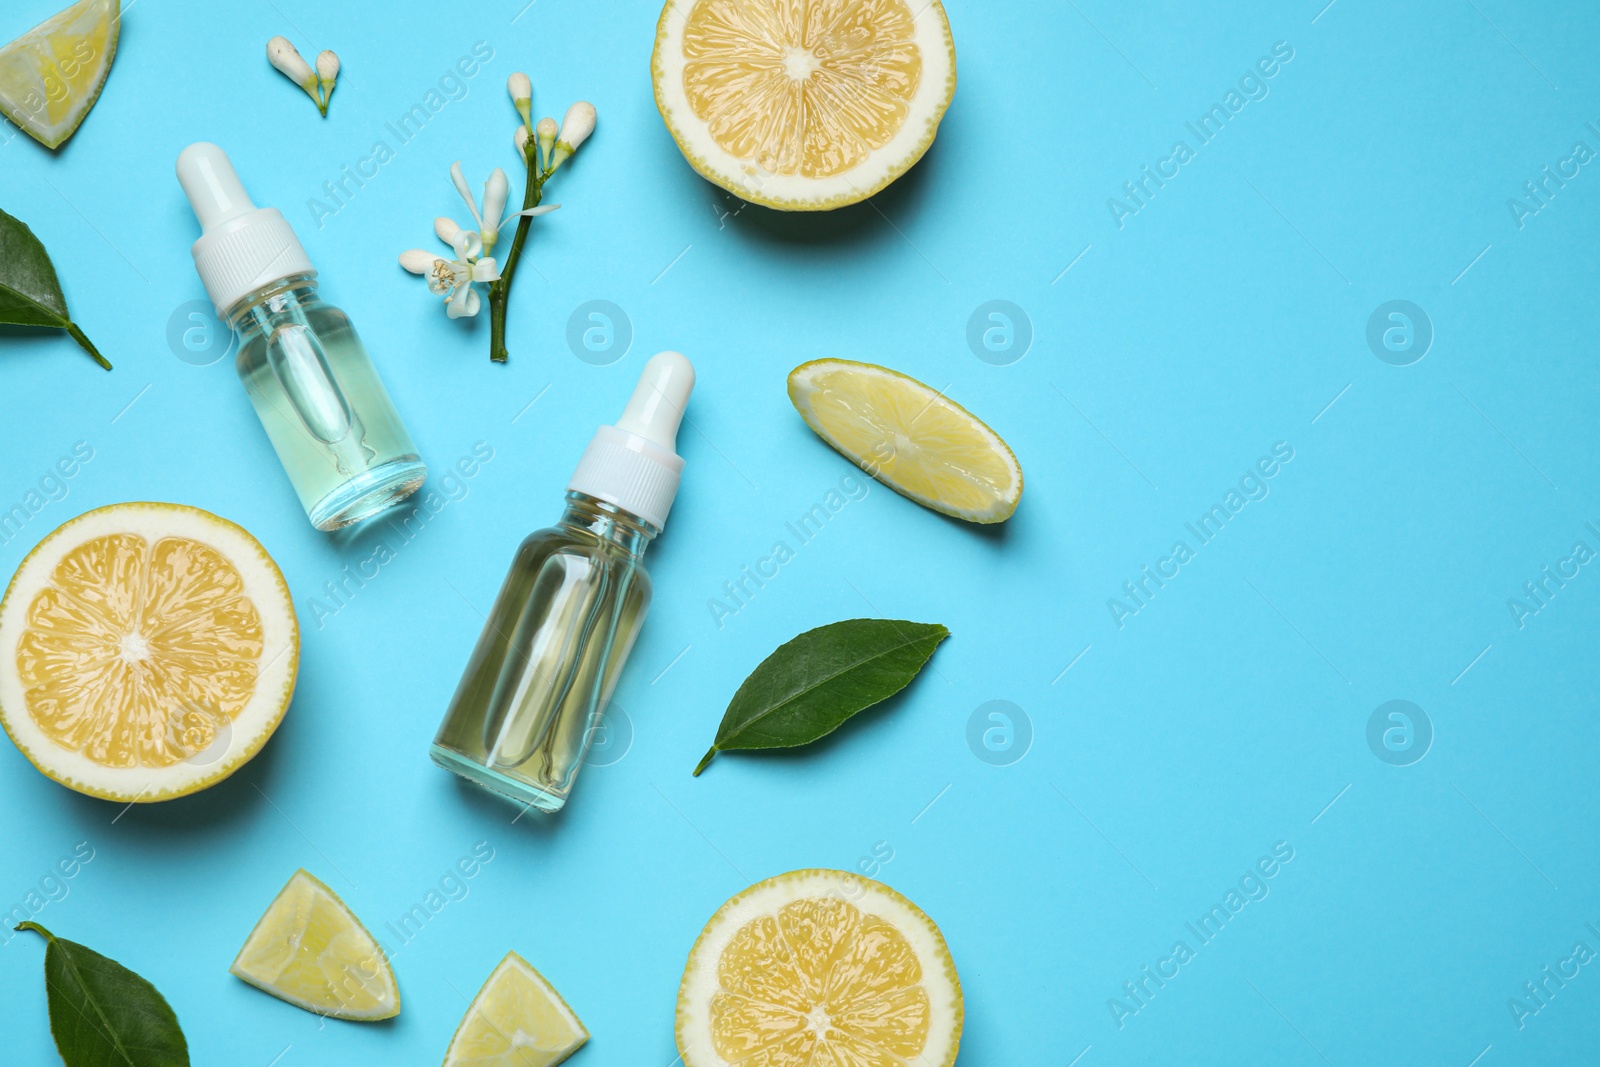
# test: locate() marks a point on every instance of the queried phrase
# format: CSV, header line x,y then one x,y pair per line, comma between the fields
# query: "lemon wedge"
x,y
819,967
516,1020
803,105
910,437
147,651
311,950
52,75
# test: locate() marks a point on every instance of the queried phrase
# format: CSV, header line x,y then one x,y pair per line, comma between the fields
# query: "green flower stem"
x,y
500,291
87,345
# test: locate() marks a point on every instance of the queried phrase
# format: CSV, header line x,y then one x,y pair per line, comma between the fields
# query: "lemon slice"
x,y
52,75
819,969
912,438
311,950
516,1020
147,651
803,105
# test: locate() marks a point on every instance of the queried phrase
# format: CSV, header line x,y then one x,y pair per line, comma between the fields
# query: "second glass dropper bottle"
x,y
569,611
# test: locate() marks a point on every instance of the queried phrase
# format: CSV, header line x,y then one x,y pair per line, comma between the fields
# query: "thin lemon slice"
x,y
311,950
803,105
819,969
912,438
52,75
516,1020
146,651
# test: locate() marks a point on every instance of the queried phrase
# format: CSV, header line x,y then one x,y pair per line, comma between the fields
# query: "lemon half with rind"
x,y
310,950
911,437
147,651
51,76
819,968
803,105
516,1020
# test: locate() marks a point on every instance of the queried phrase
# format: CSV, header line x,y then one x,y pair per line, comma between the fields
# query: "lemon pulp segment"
x,y
136,654
802,88
819,972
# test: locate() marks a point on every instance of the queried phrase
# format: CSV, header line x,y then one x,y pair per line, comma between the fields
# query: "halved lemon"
x,y
516,1020
910,437
803,105
311,950
819,969
147,651
52,75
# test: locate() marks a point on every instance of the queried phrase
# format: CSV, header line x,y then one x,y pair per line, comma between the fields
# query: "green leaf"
x,y
104,1015
809,687
30,293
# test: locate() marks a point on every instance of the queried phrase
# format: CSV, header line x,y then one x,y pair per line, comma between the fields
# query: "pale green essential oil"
x,y
323,406
549,656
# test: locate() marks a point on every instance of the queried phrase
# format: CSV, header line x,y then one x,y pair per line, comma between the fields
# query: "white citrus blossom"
x,y
495,191
547,139
520,140
453,278
521,90
490,215
286,58
575,129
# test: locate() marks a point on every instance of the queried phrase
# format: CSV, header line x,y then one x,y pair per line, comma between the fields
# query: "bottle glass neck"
x,y
608,522
286,295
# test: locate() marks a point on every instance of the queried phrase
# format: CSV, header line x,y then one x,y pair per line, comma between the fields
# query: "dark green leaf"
x,y
104,1015
30,293
810,686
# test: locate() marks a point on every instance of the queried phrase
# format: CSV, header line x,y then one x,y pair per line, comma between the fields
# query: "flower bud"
x,y
292,65
575,129
327,75
547,138
521,90
520,140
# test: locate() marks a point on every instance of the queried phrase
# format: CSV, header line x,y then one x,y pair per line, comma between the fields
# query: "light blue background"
x,y
1229,714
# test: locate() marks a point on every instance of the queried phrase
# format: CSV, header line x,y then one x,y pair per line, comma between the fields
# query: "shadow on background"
x,y
845,230
873,220
210,812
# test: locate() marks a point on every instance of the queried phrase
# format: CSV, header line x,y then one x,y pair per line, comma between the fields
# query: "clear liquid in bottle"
x,y
549,656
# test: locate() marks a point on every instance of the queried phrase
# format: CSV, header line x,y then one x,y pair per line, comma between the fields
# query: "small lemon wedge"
x,y
311,950
819,967
516,1020
912,438
52,75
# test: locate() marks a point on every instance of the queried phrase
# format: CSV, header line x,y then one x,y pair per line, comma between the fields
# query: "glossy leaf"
x,y
104,1015
30,293
811,686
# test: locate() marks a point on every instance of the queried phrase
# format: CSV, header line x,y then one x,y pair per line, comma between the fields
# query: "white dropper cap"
x,y
241,247
635,464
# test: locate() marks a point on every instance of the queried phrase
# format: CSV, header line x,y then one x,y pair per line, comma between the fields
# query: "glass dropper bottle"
x,y
309,377
567,615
